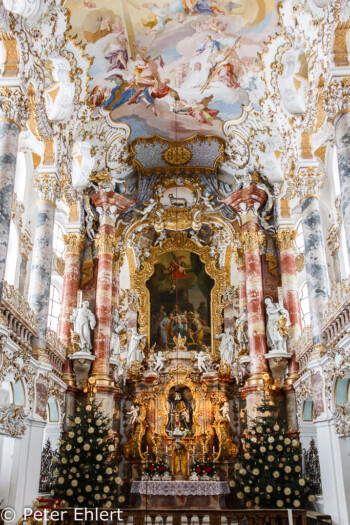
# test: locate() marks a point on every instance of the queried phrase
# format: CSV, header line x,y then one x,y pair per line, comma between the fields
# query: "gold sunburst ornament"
x,y
177,155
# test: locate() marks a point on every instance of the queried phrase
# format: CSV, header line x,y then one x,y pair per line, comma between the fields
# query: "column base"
x,y
258,379
103,380
68,379
291,378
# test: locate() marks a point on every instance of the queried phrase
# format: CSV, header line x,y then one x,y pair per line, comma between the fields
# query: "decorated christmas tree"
x,y
86,472
268,470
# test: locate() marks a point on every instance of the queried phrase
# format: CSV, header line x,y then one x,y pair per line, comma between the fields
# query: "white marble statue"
x,y
241,326
89,222
148,208
117,327
161,238
134,352
133,413
122,374
225,411
83,320
277,326
206,198
201,361
227,346
159,362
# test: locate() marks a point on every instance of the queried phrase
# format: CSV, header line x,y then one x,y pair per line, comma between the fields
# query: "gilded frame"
x,y
180,241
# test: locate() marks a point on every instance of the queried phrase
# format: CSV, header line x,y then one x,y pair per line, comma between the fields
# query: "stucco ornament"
x,y
12,421
29,9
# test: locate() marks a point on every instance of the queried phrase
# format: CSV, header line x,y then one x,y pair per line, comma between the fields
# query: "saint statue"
x,y
118,326
83,320
242,332
277,326
227,346
134,352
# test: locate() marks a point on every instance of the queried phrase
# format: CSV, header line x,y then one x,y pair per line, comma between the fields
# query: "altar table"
x,y
195,494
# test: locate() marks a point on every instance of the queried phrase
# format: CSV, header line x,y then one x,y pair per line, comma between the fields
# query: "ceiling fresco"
x,y
174,68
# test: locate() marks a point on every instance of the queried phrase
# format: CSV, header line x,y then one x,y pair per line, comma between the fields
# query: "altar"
x,y
189,494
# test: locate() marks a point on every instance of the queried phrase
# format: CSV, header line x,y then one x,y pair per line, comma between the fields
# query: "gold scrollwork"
x,y
177,155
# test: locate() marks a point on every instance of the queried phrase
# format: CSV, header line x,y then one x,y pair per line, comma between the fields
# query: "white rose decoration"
x,y
269,489
86,446
287,491
69,447
106,489
91,430
97,497
302,482
76,458
80,439
111,448
99,457
121,499
296,503
256,471
64,460
60,480
77,420
80,499
74,483
71,434
109,470
119,481
279,503
270,458
88,488
69,492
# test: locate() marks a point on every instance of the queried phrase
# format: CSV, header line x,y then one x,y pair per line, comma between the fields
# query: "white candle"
x,y
166,449
213,451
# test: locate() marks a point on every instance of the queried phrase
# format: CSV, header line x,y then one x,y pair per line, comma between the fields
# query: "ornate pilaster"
x,y
13,114
47,187
315,256
105,243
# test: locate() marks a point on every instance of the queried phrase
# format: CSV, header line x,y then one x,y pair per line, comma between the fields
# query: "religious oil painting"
x,y
175,66
181,408
180,301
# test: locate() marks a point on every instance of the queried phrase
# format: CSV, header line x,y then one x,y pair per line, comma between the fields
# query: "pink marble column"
x,y
242,278
115,283
251,241
74,245
285,241
109,205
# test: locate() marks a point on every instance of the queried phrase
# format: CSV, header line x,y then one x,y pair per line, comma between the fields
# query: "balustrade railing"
x,y
18,316
183,517
56,351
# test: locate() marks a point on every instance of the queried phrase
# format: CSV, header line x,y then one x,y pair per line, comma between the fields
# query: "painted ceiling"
x,y
174,67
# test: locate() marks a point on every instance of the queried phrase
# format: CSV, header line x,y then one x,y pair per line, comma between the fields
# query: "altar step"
x,y
193,517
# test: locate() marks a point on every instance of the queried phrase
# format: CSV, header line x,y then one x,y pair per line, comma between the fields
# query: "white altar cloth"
x,y
180,488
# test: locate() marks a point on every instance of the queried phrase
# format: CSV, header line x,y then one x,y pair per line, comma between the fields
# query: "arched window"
x,y
58,242
305,305
54,308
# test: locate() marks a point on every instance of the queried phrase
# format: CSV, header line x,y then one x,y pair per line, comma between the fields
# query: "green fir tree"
x,y
86,473
269,469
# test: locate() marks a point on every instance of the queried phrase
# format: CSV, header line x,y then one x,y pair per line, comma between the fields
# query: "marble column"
x,y
251,241
74,246
25,247
315,254
115,283
242,278
285,239
13,114
47,187
333,242
105,244
342,138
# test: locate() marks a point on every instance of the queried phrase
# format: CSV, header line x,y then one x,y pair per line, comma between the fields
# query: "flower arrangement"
x,y
205,467
158,467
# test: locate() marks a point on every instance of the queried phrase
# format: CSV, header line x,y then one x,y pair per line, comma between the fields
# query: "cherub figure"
x,y
159,362
148,208
225,411
89,222
161,238
206,198
133,413
201,361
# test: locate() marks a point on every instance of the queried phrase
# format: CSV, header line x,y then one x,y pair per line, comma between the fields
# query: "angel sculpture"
x,y
133,413
201,361
159,361
225,411
89,222
147,209
118,326
206,198
161,238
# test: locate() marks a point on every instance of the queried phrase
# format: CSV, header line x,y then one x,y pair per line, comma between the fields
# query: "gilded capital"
x,y
308,182
105,243
47,186
13,105
285,239
74,242
252,240
337,97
